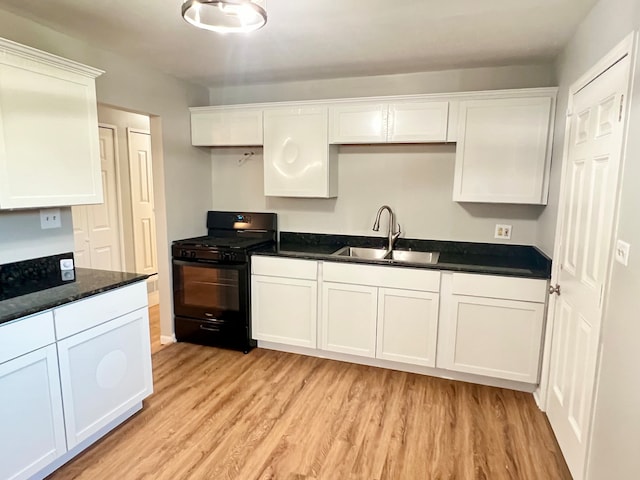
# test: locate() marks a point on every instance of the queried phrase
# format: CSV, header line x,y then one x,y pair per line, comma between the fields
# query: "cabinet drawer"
x,y
381,276
525,289
84,314
284,267
26,335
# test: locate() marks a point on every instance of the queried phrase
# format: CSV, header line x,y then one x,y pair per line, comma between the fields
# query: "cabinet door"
x,y
359,123
49,149
418,122
284,310
30,414
349,318
493,337
407,326
298,161
233,127
502,152
104,371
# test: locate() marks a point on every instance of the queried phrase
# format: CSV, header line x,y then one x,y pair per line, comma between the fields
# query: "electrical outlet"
x,y
622,252
50,218
503,231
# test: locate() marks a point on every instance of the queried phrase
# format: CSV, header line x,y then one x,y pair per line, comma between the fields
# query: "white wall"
x,y
128,85
416,181
616,430
489,78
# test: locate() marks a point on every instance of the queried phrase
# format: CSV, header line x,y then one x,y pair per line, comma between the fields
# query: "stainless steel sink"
x,y
362,252
411,256
408,256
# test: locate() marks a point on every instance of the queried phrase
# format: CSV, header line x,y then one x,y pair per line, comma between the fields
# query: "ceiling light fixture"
x,y
225,16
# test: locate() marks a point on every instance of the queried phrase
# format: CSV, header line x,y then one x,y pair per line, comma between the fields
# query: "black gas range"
x,y
211,279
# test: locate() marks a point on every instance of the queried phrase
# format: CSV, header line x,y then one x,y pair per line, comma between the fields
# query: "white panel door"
x,y
142,202
589,194
413,122
284,310
349,318
104,371
502,151
493,337
407,326
31,420
96,228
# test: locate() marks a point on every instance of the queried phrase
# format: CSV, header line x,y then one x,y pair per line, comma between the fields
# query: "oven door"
x,y
217,292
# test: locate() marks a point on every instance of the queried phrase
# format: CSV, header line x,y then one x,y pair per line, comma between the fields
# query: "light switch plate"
x,y
622,252
503,231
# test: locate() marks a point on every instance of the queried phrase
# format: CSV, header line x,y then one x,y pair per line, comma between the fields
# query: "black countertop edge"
x,y
87,282
484,258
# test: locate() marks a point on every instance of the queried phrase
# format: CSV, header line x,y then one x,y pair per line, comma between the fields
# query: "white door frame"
x,y
116,159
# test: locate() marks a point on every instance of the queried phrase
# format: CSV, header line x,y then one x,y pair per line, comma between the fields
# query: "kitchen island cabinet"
x,y
71,374
31,416
49,147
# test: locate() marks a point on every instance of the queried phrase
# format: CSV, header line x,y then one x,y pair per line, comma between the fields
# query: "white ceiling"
x,y
313,39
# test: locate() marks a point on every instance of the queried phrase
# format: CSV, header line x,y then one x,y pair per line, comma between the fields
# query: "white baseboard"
x,y
166,339
374,362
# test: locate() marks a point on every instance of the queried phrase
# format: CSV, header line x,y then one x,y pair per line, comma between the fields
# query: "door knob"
x,y
554,289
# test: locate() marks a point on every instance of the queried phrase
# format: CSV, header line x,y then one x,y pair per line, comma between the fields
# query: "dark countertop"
x,y
485,258
87,282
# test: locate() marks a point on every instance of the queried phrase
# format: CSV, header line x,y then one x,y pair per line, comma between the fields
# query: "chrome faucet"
x,y
392,221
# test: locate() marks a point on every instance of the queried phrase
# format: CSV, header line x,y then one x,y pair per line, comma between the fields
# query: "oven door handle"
x,y
209,329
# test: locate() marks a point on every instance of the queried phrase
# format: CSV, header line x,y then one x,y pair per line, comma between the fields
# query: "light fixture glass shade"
x,y
225,16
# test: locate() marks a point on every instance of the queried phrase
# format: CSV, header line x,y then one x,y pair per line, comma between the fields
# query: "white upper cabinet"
x,y
503,150
49,148
221,127
408,121
298,160
358,123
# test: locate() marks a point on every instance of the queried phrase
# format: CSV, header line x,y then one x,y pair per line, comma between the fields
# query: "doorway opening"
x,y
120,234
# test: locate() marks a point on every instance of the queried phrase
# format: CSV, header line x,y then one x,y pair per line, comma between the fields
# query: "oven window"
x,y
211,288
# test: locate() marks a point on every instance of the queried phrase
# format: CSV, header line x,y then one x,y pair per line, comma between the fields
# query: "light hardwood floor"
x,y
154,329
219,414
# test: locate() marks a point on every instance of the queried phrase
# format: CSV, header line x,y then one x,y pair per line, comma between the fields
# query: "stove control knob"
x,y
183,253
192,254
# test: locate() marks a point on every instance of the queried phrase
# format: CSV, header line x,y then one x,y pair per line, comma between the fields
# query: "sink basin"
x,y
414,257
362,252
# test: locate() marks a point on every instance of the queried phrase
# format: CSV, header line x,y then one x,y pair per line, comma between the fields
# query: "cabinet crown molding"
x,y
8,47
442,96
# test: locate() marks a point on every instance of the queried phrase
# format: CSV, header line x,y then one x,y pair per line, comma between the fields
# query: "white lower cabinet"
x,y
380,312
284,310
67,373
104,371
349,318
31,420
284,301
492,326
407,326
